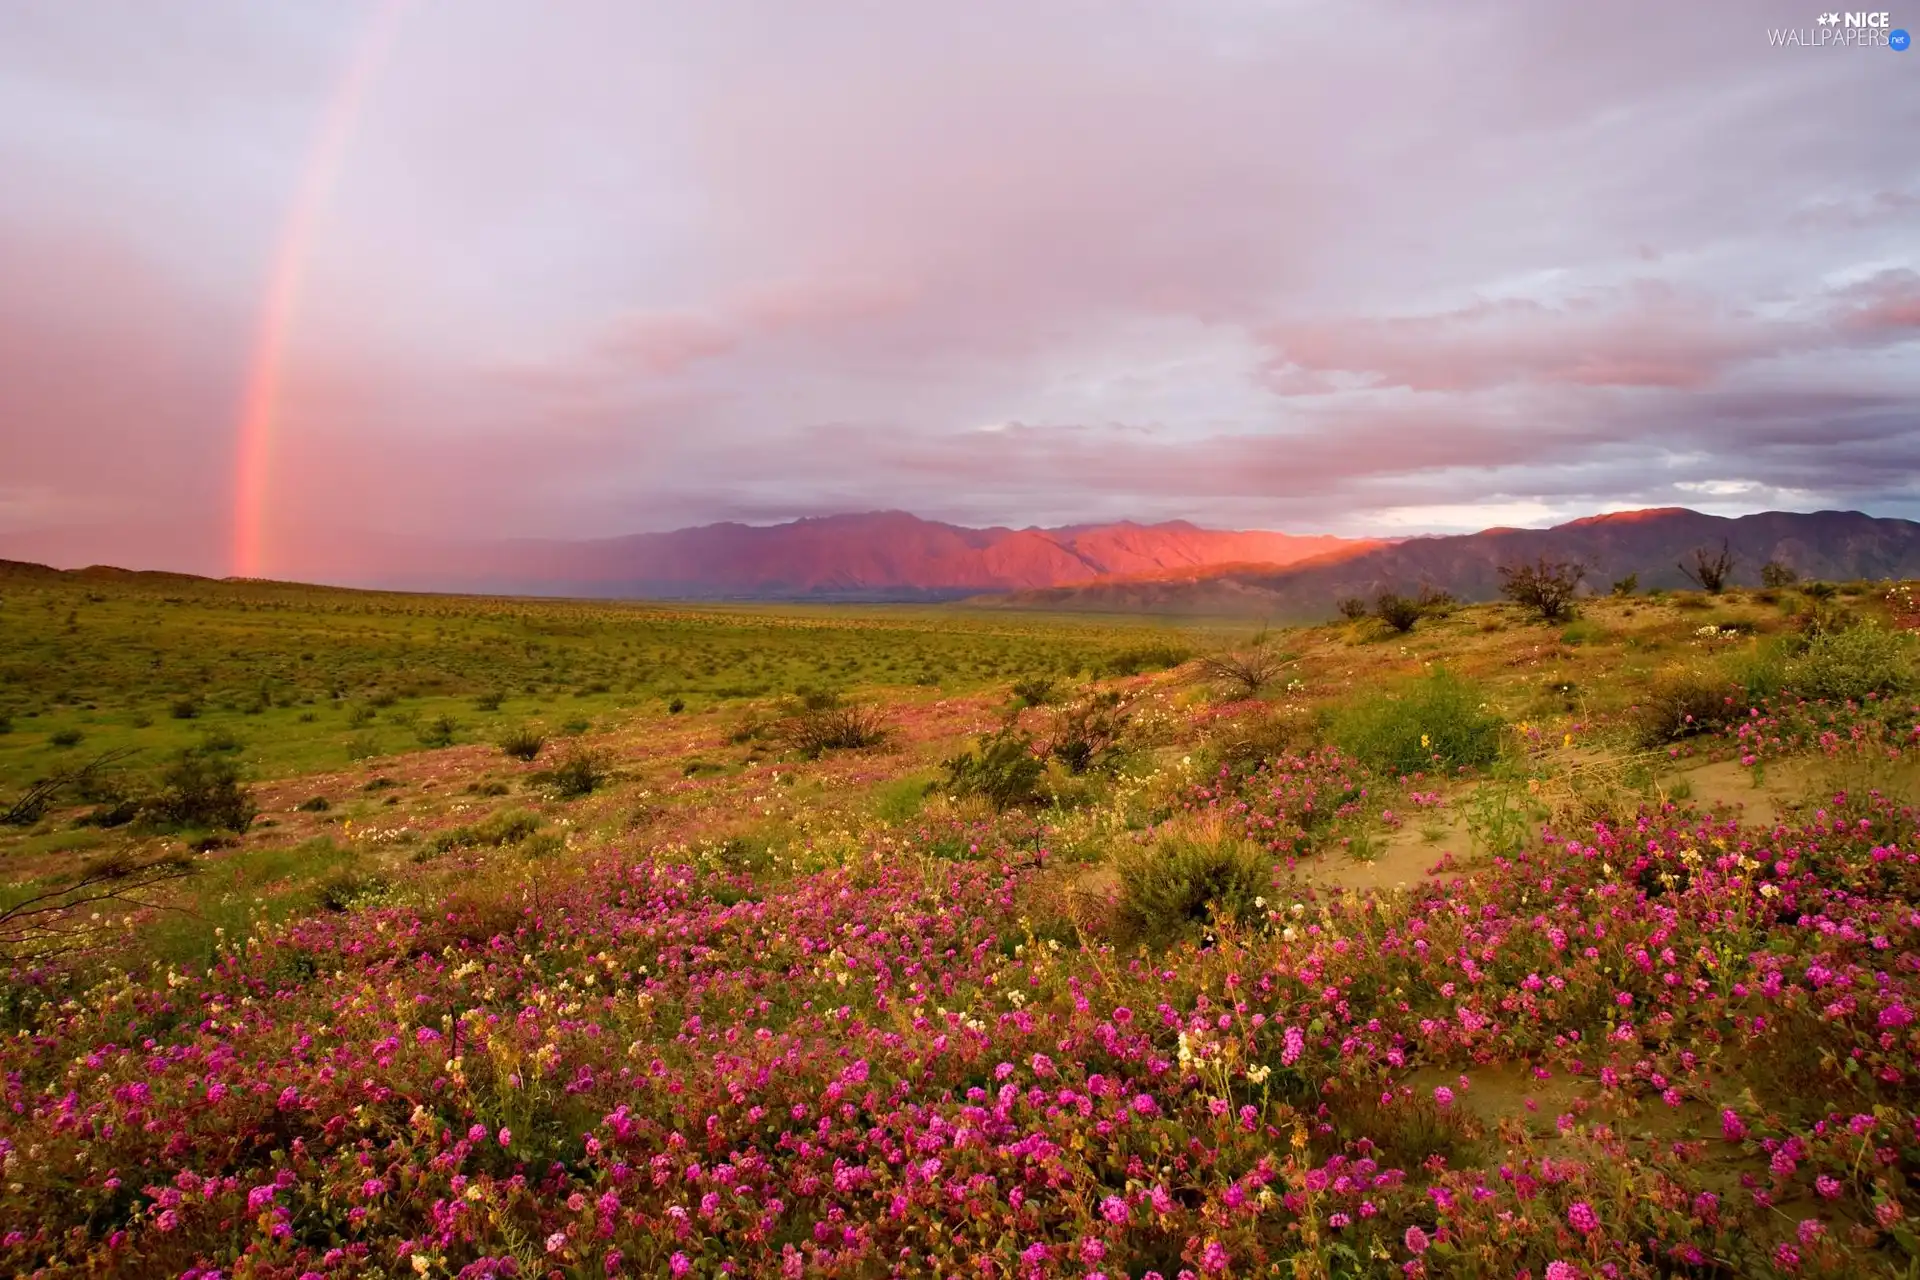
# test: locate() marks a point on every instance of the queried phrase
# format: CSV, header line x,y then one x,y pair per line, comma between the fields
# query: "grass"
x,y
303,674
1438,721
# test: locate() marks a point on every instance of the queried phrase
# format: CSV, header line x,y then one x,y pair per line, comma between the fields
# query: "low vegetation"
x,y
1433,723
1546,588
823,942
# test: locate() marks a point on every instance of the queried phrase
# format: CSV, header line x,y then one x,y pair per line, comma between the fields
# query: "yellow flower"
x,y
1424,742
1567,741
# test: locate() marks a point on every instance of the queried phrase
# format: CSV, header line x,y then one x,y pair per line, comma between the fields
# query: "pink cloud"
x,y
1886,306
1644,335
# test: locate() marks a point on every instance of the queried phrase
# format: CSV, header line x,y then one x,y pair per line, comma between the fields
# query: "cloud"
x,y
607,268
1642,335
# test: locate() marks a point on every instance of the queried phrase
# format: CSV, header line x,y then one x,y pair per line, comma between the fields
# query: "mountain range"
x,y
1124,567
1650,544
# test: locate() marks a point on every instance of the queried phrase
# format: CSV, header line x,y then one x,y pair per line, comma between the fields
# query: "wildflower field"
x,y
362,935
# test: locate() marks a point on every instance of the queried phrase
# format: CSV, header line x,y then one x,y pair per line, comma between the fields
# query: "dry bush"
x,y
812,731
1241,674
1680,704
51,921
1086,732
1711,569
1244,744
1546,587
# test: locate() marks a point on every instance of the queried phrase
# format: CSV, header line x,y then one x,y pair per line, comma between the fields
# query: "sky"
x,y
272,274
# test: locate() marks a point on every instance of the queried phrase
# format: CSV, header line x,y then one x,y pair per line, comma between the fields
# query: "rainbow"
x,y
259,403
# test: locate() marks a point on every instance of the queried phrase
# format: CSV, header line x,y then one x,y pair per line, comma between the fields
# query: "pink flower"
x,y
679,1265
506,1137
1416,1240
1114,1210
1582,1218
1443,1096
1214,1257
1562,1271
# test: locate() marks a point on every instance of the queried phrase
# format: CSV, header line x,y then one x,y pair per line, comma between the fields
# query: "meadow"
x,y
379,935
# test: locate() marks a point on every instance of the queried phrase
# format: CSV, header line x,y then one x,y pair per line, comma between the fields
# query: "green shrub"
x,y
1626,586
1435,603
314,804
522,744
1775,574
6,724
1352,608
502,829
1034,691
1826,616
201,792
1397,612
66,738
439,731
489,701
112,813
1436,721
1851,664
184,708
1140,659
362,746
1580,633
1180,886
581,773
345,890
1762,670
359,716
575,727
219,742
1002,768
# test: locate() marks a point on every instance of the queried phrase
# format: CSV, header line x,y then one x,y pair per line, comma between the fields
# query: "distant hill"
x,y
876,556
1822,544
1174,568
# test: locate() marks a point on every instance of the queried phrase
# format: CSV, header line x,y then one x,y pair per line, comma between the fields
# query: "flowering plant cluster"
x,y
885,1068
